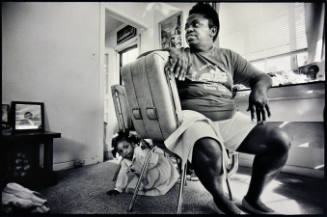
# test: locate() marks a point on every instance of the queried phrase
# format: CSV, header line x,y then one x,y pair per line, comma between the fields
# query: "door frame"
x,y
103,9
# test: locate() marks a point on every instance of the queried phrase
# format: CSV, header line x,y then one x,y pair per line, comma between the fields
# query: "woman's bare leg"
x,y
207,163
270,147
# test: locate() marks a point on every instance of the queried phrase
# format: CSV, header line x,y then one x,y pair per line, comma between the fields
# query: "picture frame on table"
x,y
170,31
5,111
27,116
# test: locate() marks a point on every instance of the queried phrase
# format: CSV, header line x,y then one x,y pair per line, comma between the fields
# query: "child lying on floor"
x,y
160,176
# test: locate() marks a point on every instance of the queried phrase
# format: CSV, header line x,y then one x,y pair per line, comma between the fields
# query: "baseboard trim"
x,y
303,171
289,169
74,163
63,166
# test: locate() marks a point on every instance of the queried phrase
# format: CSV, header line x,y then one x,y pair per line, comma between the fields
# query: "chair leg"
x,y
234,165
229,189
230,172
180,195
184,173
145,165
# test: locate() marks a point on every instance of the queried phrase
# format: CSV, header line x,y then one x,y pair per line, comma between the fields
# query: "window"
x,y
128,55
270,35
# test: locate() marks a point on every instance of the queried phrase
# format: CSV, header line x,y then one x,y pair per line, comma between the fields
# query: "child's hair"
x,y
123,136
208,12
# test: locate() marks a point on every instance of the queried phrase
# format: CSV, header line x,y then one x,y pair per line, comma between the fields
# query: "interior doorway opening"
x,y
117,53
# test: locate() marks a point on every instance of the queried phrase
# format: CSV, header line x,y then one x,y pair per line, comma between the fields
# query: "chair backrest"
x,y
152,96
121,108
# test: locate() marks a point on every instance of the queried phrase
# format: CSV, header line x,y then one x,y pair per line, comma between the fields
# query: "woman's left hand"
x,y
258,104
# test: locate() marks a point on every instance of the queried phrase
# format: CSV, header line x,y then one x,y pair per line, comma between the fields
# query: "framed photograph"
x,y
4,115
125,34
170,31
27,116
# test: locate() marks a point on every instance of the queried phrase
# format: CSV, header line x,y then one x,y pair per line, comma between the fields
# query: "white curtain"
x,y
314,23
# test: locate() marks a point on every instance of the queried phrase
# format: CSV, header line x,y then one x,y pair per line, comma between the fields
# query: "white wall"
x,y
50,54
250,28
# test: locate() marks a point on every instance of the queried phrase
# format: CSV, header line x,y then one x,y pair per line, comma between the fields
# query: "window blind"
x,y
261,30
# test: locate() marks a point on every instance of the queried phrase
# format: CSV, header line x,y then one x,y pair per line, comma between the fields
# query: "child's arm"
x,y
122,179
117,171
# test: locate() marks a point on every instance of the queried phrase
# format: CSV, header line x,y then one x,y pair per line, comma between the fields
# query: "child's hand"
x,y
113,192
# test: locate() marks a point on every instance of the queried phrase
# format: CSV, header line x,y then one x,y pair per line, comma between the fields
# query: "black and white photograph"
x,y
175,107
28,116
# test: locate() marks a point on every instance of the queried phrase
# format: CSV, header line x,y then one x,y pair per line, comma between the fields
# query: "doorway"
x,y
115,55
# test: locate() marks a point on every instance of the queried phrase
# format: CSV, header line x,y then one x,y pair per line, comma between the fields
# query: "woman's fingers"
x,y
177,64
183,69
268,110
251,109
258,112
178,69
261,112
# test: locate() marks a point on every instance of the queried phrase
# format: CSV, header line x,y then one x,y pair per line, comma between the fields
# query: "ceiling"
x,y
112,23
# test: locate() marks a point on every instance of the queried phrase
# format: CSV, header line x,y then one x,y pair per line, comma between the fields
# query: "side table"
x,y
31,141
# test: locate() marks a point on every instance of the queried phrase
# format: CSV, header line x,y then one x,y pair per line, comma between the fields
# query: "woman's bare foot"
x,y
228,207
257,207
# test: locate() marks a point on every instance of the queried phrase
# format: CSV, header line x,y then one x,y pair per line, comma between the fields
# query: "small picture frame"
x,y
5,115
170,31
27,116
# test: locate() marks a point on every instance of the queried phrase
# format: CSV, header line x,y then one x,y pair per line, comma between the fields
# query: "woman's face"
x,y
198,33
125,149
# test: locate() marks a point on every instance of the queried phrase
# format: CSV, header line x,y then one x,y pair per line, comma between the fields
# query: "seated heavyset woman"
x,y
210,123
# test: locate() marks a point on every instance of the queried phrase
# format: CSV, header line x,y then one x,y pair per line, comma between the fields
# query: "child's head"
x,y
124,145
28,115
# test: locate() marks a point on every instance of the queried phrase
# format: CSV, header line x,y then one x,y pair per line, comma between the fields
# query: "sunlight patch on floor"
x,y
279,203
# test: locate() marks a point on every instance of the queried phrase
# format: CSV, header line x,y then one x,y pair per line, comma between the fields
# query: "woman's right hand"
x,y
177,63
113,192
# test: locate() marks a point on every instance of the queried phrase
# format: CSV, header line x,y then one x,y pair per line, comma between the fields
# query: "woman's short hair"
x,y
208,12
